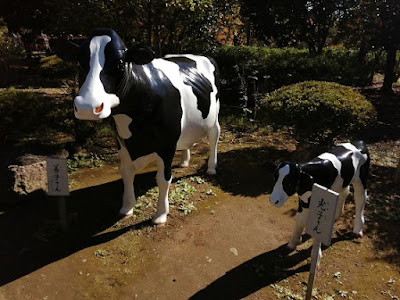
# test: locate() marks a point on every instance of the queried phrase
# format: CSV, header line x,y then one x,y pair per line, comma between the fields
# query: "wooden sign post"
x,y
57,184
320,222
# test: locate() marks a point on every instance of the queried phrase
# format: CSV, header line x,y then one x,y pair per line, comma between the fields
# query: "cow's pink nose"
x,y
99,109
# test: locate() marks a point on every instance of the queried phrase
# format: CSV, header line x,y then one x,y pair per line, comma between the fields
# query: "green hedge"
x,y
317,111
275,68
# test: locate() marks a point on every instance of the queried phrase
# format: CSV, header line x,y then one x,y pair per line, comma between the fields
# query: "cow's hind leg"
x,y
360,199
185,158
163,179
213,135
301,220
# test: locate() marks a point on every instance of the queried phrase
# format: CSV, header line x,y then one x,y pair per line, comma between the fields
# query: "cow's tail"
x,y
217,77
364,169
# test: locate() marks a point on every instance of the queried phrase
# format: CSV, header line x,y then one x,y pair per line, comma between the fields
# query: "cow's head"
x,y
290,179
103,58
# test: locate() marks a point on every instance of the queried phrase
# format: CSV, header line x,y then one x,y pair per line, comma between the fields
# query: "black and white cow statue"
x,y
346,164
159,105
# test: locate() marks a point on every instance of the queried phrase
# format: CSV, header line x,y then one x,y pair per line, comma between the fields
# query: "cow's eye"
x,y
121,65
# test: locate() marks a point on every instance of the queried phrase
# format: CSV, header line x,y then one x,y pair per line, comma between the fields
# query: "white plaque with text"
x,y
57,177
322,212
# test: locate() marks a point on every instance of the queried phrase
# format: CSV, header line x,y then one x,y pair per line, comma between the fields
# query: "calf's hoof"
x,y
291,247
184,164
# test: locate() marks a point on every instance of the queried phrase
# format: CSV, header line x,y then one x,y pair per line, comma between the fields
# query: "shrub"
x,y
317,111
279,67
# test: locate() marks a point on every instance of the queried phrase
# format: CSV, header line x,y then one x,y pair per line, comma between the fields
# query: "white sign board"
x,y
57,177
322,214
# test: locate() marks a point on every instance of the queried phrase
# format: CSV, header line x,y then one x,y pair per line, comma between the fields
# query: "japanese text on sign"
x,y
322,214
57,177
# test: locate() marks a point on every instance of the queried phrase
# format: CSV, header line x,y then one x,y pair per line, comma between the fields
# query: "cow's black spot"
x,y
322,171
201,86
291,180
344,156
154,105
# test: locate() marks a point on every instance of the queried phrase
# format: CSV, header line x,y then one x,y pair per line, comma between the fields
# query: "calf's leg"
x,y
301,220
360,199
185,158
340,204
213,135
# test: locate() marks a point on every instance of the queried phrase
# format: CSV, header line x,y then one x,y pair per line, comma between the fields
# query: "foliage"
x,y
318,111
10,54
166,25
31,114
372,24
55,67
38,117
275,68
292,23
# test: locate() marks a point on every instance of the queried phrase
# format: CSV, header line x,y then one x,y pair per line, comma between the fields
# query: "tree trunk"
x,y
389,71
248,32
150,22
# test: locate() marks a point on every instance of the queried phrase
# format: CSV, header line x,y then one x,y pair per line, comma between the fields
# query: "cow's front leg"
x,y
301,220
163,179
360,199
128,198
213,135
185,158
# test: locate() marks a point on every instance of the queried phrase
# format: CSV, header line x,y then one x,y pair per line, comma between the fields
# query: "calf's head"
x,y
290,179
103,58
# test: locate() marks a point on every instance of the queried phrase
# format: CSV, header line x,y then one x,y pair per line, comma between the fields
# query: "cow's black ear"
x,y
306,182
65,49
140,55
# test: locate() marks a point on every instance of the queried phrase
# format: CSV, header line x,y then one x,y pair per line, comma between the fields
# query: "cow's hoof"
x,y
211,172
357,235
160,220
126,211
124,216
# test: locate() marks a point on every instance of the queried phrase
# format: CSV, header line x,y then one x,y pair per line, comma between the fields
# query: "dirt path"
x,y
231,247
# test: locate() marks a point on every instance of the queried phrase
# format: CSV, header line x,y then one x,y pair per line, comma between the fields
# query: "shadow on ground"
x,y
383,213
261,271
248,171
31,237
254,274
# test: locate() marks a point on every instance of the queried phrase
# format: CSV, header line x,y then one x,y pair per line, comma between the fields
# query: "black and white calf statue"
x,y
159,105
346,164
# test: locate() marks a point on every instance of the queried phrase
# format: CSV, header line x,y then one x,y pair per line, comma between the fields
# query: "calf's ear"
x,y
65,49
140,55
306,183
